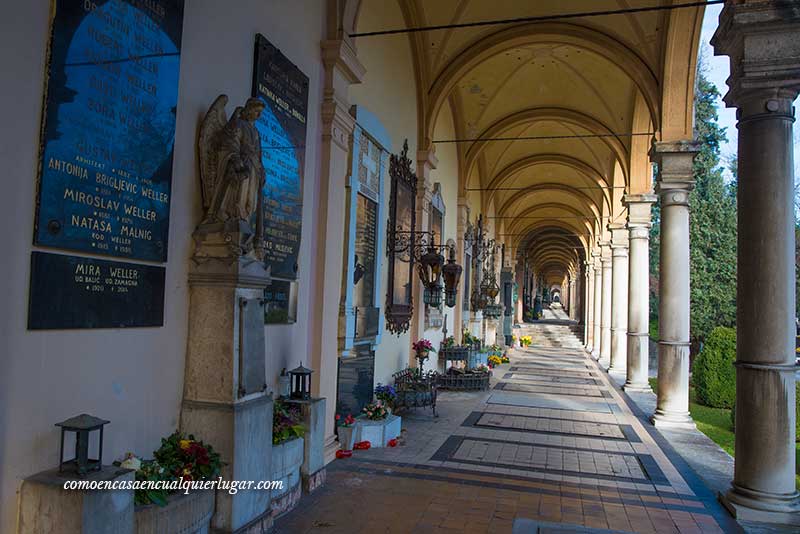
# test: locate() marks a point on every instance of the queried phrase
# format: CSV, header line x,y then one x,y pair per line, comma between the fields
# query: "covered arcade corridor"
x,y
234,229
555,445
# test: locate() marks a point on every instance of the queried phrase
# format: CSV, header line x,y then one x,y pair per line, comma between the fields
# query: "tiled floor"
x,y
552,447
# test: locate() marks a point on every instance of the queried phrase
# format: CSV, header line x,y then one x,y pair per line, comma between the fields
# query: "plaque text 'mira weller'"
x,y
109,127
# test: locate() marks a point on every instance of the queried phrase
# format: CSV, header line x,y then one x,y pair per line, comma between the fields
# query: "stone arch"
x,y
682,41
564,115
550,32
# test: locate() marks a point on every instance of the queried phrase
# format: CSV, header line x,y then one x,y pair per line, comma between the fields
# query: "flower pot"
x,y
183,514
347,437
287,457
379,432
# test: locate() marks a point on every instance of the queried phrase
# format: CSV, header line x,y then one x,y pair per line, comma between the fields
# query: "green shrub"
x,y
713,373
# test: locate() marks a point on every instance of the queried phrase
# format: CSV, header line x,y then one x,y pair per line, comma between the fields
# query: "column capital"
x,y
619,239
639,207
340,54
762,40
675,179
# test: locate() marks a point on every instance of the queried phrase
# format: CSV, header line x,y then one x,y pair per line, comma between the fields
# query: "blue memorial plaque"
x,y
79,292
109,127
284,89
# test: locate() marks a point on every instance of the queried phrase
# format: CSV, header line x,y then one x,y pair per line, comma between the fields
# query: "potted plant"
x,y
494,361
179,458
287,455
346,430
386,394
376,425
422,348
286,422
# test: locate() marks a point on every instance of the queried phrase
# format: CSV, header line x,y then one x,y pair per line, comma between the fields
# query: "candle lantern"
x,y
300,378
82,425
284,383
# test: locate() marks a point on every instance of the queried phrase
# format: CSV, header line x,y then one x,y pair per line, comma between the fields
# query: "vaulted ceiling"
x,y
560,99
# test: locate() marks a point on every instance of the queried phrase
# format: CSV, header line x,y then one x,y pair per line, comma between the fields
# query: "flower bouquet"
x,y
494,361
375,411
422,347
180,457
286,422
386,394
525,340
346,431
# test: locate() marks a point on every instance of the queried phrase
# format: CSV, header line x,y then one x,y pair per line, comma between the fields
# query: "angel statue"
x,y
231,172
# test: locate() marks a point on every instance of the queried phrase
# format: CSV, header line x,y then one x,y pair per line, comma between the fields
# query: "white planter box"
x,y
286,460
183,514
378,433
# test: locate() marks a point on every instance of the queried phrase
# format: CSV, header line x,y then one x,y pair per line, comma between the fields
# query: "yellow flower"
x,y
185,443
187,471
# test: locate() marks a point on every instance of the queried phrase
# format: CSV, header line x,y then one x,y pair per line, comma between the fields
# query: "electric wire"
x,y
541,18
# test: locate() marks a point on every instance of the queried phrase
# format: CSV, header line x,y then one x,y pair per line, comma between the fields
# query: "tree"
x,y
712,206
713,223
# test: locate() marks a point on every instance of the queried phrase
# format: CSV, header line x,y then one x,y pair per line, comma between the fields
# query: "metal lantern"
x,y
82,425
300,378
452,276
432,295
430,272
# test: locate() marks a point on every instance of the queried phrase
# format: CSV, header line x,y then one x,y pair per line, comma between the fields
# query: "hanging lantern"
x,y
430,273
432,295
452,276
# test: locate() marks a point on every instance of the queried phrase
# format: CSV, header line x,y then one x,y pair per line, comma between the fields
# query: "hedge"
x,y
713,373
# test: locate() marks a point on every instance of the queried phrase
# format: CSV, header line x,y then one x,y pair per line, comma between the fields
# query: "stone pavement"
x,y
554,446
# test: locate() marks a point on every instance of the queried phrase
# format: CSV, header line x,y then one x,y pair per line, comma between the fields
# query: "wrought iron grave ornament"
x,y
416,246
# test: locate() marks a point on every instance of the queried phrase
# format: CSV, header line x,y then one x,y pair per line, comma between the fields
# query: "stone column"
x,y
342,69
598,304
605,317
573,297
461,228
588,327
426,162
638,291
674,182
763,42
619,297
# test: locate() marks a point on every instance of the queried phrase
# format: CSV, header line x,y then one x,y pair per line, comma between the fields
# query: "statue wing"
x,y
214,121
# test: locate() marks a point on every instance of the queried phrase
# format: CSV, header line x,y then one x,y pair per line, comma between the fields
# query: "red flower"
x,y
392,442
344,454
362,445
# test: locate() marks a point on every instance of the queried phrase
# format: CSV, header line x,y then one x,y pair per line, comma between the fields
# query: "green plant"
x,y
286,422
180,457
713,373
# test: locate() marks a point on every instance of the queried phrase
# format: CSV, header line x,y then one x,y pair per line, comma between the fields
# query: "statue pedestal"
x,y
225,400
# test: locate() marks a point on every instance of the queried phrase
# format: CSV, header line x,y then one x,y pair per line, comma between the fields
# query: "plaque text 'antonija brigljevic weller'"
x,y
109,127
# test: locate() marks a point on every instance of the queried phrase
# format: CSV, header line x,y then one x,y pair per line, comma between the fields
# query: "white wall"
x,y
133,377
388,91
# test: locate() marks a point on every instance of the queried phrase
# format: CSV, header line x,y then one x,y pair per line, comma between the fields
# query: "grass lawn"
x,y
716,424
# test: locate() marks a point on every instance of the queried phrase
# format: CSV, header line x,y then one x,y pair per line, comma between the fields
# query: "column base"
x,y
749,505
637,388
616,369
673,420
